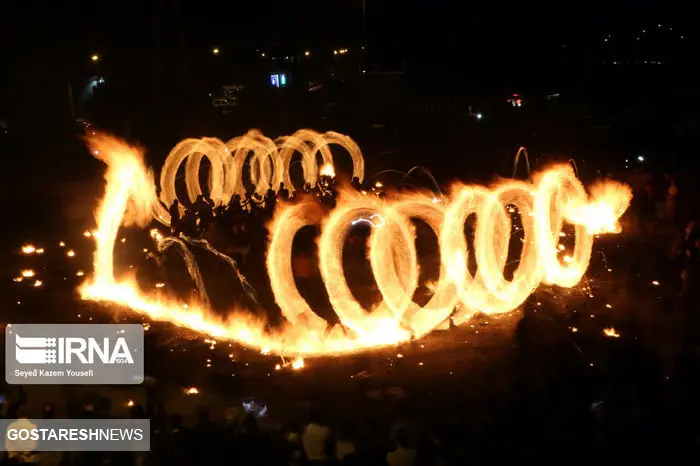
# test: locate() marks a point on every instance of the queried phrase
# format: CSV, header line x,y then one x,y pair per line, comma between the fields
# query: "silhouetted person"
x,y
270,201
283,193
344,447
247,203
251,444
180,451
204,212
315,438
234,205
405,454
174,211
207,438
188,223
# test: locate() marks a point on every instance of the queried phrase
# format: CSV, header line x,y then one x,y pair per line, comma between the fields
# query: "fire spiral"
x,y
269,164
554,198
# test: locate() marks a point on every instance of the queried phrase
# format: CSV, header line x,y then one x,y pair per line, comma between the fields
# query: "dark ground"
x,y
476,375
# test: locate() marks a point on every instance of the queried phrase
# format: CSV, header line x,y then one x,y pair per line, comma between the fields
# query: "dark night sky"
x,y
451,25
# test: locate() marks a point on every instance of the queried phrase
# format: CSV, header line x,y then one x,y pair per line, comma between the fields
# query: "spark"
x,y
160,285
28,273
611,332
62,244
655,283
130,403
370,221
70,253
191,391
298,364
38,283
79,273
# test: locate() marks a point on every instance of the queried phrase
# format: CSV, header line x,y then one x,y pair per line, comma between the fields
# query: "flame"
x,y
328,170
555,197
28,273
28,249
269,165
611,332
191,391
298,364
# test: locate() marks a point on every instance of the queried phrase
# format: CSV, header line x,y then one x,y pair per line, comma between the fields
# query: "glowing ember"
x,y
62,244
555,197
191,391
27,273
130,403
70,253
655,283
40,251
298,364
38,283
79,273
87,234
28,249
611,332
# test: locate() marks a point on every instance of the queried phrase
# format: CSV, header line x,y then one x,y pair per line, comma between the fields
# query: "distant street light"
x,y
215,51
95,58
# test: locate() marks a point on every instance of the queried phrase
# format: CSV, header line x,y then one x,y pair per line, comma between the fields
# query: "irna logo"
x,y
71,350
